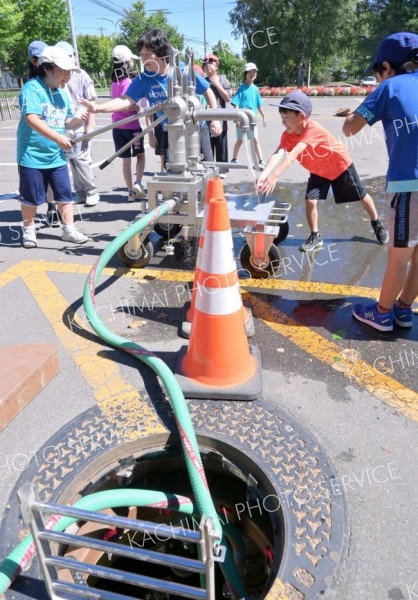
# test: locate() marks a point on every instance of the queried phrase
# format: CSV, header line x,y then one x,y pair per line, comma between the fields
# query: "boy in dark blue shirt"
x,y
395,103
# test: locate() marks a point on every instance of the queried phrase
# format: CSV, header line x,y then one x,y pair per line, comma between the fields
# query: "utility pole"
x,y
72,28
204,27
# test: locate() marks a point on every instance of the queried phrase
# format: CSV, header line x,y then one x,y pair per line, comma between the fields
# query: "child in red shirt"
x,y
327,161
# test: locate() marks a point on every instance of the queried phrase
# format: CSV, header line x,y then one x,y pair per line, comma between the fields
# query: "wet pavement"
x,y
353,388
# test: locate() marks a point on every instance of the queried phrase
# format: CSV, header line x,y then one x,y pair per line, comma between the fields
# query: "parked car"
x,y
370,80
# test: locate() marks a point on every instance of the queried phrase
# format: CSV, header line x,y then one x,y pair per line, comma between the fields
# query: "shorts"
x,y
250,134
403,220
347,187
33,184
121,137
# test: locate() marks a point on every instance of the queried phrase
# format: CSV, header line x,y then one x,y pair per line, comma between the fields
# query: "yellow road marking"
x,y
118,400
380,385
362,373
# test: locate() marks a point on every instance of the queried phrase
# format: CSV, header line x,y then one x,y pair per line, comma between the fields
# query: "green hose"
x,y
22,555
188,439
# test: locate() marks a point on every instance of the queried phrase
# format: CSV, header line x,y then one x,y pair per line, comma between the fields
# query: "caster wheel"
x,y
266,271
141,258
283,233
166,230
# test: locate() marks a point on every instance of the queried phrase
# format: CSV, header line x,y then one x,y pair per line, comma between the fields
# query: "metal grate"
x,y
51,563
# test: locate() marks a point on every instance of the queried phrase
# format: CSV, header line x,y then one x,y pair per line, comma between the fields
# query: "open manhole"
x,y
268,478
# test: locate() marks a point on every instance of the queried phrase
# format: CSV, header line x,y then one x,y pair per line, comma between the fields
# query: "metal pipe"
x,y
142,113
224,114
132,142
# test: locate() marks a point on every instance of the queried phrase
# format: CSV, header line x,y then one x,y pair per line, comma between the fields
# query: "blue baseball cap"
x,y
396,48
35,48
297,101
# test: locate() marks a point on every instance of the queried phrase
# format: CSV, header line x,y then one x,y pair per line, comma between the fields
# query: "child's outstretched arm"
x,y
277,165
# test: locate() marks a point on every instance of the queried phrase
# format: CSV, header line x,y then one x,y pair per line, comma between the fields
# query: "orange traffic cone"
x,y
214,189
219,362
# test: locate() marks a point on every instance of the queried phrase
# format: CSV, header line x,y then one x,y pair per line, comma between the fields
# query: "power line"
x,y
106,6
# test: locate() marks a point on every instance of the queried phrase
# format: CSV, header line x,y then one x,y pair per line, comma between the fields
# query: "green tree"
x,y
136,23
283,36
45,20
230,64
11,18
376,19
95,53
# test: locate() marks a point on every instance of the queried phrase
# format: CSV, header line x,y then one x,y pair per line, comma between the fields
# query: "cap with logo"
x,y
122,54
250,67
58,57
210,58
297,101
35,48
397,48
66,47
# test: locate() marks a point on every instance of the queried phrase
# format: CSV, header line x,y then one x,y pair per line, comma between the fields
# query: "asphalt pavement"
x,y
354,389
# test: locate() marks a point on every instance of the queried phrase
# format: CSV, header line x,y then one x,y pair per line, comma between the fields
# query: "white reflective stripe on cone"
x,y
221,257
218,300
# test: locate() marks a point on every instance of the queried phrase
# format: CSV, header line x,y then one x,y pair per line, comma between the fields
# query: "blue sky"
x,y
186,15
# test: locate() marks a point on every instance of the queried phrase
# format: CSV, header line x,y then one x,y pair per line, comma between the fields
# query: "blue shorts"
x,y
240,133
33,184
122,136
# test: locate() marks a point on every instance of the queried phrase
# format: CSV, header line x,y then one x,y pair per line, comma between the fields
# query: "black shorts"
x,y
123,136
347,187
161,141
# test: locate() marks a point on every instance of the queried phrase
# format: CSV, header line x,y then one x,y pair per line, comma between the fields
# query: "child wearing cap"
x,y
81,86
394,102
45,114
248,96
34,51
123,64
327,161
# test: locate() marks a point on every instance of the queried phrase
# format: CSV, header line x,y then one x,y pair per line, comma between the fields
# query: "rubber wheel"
x,y
268,270
145,254
283,233
166,230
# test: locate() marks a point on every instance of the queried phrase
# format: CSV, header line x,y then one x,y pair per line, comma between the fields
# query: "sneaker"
x,y
222,175
52,218
80,198
92,200
371,316
402,316
29,237
262,164
234,161
380,232
71,234
314,241
138,191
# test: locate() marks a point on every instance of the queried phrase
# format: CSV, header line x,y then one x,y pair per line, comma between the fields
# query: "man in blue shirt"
x,y
154,49
395,103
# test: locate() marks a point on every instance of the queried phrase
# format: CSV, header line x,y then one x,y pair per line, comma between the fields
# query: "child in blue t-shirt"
x,y
248,96
41,144
394,102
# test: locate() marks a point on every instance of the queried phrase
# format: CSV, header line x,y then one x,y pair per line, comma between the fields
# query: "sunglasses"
x,y
210,61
